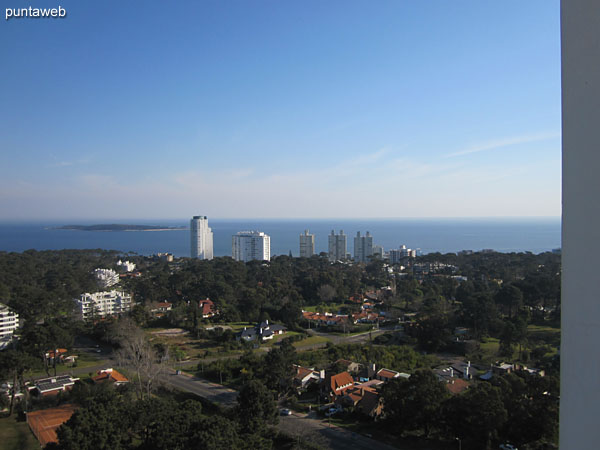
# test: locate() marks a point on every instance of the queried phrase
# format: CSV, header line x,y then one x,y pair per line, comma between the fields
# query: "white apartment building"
x,y
396,256
249,245
307,245
106,277
102,304
378,251
363,247
337,246
201,238
126,265
9,322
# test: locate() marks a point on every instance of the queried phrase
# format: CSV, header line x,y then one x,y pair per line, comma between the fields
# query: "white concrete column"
x,y
580,348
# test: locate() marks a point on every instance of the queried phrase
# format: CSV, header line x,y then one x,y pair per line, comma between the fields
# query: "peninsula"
x,y
118,227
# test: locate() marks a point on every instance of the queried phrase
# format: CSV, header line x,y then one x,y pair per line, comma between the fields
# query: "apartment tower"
x,y
201,238
307,245
337,246
363,247
249,245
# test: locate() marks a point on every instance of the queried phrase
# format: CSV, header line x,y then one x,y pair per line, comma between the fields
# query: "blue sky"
x,y
154,109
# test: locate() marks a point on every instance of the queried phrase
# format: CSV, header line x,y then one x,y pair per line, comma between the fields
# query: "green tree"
x,y
476,415
510,297
102,424
256,408
414,404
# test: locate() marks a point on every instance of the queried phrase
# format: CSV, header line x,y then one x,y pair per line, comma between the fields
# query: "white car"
x,y
508,447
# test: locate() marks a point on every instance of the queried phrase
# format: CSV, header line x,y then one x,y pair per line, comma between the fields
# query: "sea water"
x,y
535,235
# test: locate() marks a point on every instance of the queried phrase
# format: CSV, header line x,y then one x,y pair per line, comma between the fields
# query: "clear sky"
x,y
312,108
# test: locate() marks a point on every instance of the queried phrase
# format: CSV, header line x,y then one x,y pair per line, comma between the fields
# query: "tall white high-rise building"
x,y
307,245
363,247
201,238
337,246
249,245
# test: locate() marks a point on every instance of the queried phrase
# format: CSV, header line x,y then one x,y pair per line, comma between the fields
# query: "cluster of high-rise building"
x,y
245,245
256,245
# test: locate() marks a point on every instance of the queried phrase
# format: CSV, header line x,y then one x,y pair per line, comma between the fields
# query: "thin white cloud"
x,y
506,142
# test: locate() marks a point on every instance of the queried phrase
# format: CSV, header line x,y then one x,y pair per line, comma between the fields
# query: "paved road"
x,y
205,389
316,431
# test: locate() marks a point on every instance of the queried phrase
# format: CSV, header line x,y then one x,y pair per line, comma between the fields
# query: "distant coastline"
x,y
118,227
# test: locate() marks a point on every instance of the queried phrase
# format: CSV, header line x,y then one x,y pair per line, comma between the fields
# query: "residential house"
x,y
305,376
161,308
53,385
387,375
111,376
264,331
456,370
58,353
339,383
457,385
325,319
364,397
207,308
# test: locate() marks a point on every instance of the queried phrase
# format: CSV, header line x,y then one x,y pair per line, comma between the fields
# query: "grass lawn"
x,y
330,307
16,435
85,360
489,350
308,342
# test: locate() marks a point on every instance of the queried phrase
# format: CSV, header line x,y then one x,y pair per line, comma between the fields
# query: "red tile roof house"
x,y
305,376
207,308
110,375
387,375
364,398
457,385
338,384
59,351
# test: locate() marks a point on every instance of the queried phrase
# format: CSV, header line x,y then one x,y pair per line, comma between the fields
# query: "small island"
x,y
119,227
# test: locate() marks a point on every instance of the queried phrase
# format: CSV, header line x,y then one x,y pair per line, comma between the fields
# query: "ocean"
x,y
535,235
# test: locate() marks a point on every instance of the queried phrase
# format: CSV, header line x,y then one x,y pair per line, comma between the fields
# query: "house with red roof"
x,y
457,385
207,308
111,376
59,353
338,384
305,376
387,375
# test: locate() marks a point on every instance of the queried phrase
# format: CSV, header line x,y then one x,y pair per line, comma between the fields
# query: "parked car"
x,y
285,412
332,411
508,447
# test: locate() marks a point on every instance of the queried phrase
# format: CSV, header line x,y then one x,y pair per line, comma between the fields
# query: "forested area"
x,y
503,302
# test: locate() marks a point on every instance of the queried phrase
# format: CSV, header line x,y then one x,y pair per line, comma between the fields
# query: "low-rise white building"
x,y
106,277
128,266
102,304
9,322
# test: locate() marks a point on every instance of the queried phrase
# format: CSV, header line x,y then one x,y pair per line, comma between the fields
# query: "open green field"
x,y
16,435
489,350
544,336
330,307
85,360
309,342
